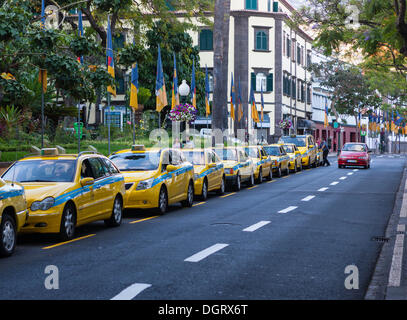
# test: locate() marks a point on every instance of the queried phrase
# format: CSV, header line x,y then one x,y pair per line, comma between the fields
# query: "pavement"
x,y
292,238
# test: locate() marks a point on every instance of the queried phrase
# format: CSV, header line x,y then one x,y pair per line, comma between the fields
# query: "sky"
x,y
297,3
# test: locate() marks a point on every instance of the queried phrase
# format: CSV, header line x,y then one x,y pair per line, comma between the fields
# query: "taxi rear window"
x,y
299,142
41,171
195,157
144,161
227,154
272,151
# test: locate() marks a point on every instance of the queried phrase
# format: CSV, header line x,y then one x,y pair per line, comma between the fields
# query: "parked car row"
x,y
56,193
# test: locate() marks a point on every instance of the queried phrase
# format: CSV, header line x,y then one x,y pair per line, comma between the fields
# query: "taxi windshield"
x,y
227,154
354,147
143,161
289,149
195,157
252,152
41,171
299,142
272,151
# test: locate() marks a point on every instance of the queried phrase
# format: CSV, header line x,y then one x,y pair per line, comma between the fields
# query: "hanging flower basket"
x,y
286,124
183,112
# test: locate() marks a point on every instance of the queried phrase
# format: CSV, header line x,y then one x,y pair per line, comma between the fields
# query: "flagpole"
x,y
42,109
79,130
134,125
108,121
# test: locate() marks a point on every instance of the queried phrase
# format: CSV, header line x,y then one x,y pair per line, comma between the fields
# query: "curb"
x,y
377,288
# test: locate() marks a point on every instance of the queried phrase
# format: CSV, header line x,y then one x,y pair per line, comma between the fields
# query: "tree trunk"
x,y
220,70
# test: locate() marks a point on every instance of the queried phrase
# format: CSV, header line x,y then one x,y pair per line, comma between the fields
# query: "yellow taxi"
x,y
209,173
65,191
262,163
238,166
155,178
281,161
295,157
307,147
13,215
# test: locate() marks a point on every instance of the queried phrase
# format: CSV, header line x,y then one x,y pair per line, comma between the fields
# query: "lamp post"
x,y
184,91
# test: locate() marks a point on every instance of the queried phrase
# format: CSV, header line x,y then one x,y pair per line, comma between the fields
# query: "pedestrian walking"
x,y
325,150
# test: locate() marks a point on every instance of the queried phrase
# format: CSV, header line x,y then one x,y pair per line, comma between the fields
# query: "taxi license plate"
x,y
352,161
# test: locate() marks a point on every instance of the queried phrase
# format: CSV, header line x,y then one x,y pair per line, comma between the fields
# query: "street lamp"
x,y
184,89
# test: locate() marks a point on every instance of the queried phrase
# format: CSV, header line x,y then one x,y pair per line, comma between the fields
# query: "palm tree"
x,y
220,70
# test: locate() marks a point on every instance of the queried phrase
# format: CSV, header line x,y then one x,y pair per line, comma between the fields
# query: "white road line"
x,y
323,189
334,183
130,292
256,226
350,173
342,178
308,198
356,170
396,263
205,253
286,210
401,228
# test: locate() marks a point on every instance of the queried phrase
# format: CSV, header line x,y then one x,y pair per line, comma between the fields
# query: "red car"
x,y
354,154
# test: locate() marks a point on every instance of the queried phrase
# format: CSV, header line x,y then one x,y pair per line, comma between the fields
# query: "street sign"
x,y
336,125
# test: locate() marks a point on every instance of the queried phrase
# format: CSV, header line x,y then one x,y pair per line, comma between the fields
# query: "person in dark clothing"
x,y
325,150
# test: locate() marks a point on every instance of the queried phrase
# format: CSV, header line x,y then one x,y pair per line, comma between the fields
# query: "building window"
x,y
259,80
251,4
261,40
309,59
275,6
206,40
293,88
268,5
288,47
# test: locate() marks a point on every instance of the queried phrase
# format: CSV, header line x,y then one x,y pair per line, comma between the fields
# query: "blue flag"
x,y
160,92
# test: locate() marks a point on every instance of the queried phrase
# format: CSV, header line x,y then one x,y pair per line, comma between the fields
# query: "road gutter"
x,y
378,288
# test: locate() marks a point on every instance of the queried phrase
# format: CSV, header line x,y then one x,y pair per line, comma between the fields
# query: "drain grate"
x,y
380,239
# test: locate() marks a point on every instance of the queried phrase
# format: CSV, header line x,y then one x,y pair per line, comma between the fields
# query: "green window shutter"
x,y
253,79
251,4
275,6
206,40
288,48
270,79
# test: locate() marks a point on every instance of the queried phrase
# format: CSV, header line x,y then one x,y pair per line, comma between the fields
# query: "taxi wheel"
x,y
260,178
251,180
238,183
190,196
67,229
117,214
204,195
222,186
270,176
163,201
8,236
279,172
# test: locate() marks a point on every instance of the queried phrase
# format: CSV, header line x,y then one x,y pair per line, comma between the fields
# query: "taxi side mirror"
x,y
171,168
265,157
87,182
212,165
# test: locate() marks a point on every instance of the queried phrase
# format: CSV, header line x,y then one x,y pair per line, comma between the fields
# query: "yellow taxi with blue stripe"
x,y
238,166
262,162
307,147
155,178
295,157
209,173
65,191
281,160
13,215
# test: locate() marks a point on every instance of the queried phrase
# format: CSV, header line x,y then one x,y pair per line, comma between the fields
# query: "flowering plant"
x,y
183,112
286,124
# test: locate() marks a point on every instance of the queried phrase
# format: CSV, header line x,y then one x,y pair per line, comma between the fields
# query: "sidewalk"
x,y
389,281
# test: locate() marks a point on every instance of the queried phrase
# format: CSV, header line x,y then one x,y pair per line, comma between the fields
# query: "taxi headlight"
x,y
146,184
43,205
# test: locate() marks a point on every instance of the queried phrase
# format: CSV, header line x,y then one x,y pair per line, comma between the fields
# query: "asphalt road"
x,y
292,249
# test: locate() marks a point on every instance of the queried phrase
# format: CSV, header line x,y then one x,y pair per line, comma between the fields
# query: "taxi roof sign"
x,y
49,152
138,147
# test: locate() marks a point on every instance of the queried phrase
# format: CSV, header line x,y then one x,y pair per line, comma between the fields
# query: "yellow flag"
x,y
42,78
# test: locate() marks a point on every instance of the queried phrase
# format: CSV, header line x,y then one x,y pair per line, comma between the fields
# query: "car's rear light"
x,y
128,185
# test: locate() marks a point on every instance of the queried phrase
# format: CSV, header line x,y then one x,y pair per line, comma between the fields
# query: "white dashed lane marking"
x,y
207,252
256,226
308,198
286,210
130,292
323,189
334,183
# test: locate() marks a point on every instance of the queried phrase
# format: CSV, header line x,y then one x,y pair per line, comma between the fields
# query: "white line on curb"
x,y
323,189
130,292
396,263
286,210
256,226
356,170
308,198
205,253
